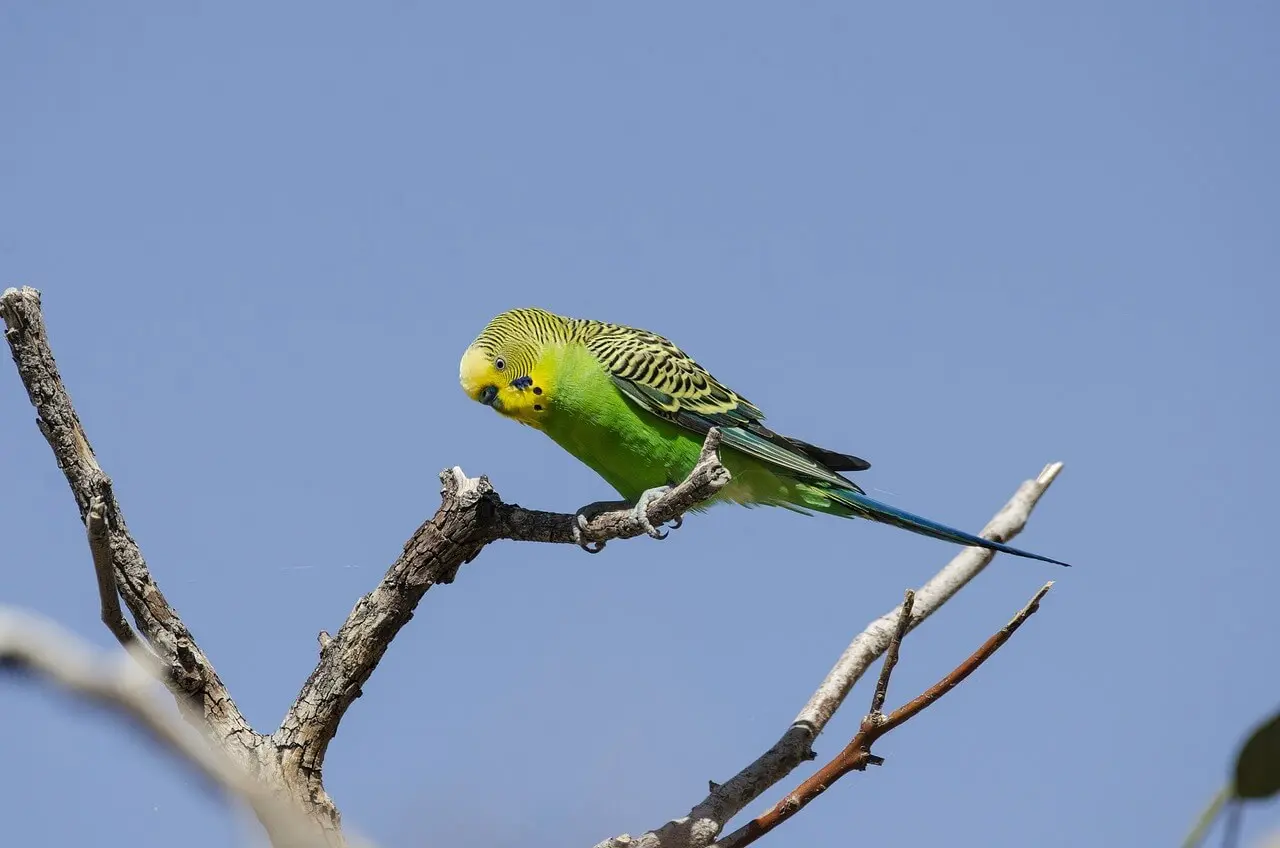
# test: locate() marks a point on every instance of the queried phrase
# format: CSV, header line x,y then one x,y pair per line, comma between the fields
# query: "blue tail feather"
x,y
865,507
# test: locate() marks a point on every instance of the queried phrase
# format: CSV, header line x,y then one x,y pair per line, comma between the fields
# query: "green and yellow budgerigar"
x,y
635,408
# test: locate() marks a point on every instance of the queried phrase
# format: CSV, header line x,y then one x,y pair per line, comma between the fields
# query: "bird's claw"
x,y
641,512
591,546
579,527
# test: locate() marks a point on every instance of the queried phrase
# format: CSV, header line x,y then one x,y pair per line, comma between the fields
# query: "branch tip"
x,y
1032,607
1049,474
796,744
710,446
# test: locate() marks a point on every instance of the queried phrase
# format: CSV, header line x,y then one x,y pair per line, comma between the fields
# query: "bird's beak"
x,y
488,395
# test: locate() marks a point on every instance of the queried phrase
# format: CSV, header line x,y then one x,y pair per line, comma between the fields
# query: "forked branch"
x,y
471,516
857,755
705,821
186,670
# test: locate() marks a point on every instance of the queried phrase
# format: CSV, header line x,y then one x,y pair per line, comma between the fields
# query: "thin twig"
x,y
867,646
969,666
1207,817
704,822
891,655
104,569
857,755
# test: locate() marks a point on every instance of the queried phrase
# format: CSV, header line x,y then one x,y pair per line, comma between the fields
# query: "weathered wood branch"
x,y
471,516
856,756
188,672
105,570
703,824
125,684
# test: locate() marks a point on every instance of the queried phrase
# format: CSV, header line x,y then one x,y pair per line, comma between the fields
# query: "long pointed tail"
x,y
865,507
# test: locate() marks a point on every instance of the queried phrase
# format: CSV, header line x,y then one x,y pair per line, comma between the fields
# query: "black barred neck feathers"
x,y
507,368
518,336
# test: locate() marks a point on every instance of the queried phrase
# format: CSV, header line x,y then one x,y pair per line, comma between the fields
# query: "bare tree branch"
x,y
125,686
522,525
188,672
857,755
705,821
968,564
470,516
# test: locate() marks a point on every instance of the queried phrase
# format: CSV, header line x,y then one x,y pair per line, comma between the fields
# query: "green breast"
x,y
631,449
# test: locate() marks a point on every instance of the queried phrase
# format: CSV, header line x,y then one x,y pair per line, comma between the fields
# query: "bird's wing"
x,y
664,380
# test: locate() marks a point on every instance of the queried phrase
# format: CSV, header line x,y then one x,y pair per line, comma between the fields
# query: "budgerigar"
x,y
635,409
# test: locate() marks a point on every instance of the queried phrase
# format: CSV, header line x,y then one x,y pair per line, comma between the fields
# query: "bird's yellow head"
x,y
504,367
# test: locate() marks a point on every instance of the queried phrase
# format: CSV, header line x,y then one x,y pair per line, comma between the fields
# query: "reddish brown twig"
x,y
857,755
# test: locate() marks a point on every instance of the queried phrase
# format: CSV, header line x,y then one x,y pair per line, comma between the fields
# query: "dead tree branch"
x,y
470,516
188,672
125,685
104,569
703,824
857,755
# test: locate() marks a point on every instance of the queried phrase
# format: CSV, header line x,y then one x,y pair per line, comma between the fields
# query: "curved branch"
x,y
471,515
124,685
187,671
704,822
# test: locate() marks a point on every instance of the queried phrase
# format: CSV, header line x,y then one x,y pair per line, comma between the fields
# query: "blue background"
x,y
961,240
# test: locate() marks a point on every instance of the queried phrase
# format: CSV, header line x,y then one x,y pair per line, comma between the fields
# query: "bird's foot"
x,y
640,512
585,514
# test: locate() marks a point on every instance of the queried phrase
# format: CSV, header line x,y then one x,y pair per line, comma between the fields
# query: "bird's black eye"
x,y
499,363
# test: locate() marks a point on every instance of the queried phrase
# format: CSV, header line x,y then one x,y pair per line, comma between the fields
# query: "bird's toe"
x,y
641,511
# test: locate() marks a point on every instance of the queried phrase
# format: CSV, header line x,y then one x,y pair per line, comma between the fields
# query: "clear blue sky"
x,y
961,240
